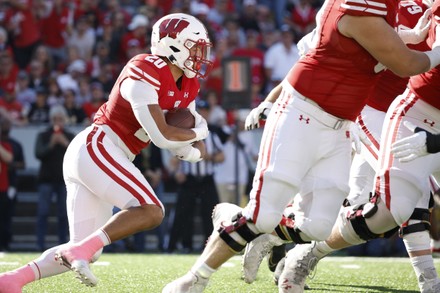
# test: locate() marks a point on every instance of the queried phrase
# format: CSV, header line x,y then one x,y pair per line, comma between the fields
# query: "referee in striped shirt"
x,y
196,185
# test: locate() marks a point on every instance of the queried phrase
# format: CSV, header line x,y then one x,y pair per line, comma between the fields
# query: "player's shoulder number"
x,y
156,60
412,7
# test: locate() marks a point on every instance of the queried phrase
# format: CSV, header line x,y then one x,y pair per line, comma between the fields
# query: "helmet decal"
x,y
171,27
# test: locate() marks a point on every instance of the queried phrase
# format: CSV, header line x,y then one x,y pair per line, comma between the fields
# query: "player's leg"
x,y
274,185
416,236
82,223
104,169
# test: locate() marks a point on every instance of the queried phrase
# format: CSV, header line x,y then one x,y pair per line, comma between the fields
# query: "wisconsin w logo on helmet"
x,y
184,41
171,27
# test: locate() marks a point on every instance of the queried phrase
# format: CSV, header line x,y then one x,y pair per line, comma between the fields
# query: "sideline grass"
x,y
151,272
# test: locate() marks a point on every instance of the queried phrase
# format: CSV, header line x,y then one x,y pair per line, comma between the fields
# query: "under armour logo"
x,y
307,120
431,123
185,94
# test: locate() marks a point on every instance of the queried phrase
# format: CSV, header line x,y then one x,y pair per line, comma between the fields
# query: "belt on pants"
x,y
311,107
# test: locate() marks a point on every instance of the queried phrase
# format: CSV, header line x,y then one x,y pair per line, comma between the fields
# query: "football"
x,y
180,117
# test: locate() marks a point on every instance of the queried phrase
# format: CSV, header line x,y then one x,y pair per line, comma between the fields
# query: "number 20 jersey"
x,y
117,112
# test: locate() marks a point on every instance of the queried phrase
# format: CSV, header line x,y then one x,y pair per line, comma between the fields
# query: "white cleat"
x,y
254,253
429,281
300,261
189,283
80,267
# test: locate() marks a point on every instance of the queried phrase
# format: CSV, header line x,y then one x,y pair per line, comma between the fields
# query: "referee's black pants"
x,y
193,191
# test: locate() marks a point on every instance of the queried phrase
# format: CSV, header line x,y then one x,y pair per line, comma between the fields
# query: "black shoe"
x,y
275,255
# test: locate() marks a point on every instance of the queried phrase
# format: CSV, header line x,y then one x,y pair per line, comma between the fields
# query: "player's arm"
x,y
383,43
144,102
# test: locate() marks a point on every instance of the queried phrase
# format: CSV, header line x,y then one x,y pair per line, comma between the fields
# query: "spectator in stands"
x,y
280,57
22,22
25,95
36,73
6,158
196,183
232,31
83,37
75,71
100,57
54,28
18,163
98,97
221,9
43,55
136,36
118,30
302,17
4,44
83,94
265,19
11,108
50,147
248,16
75,113
39,111
8,72
278,9
217,115
54,93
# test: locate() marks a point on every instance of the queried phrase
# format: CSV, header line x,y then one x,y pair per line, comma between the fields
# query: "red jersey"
x,y
53,27
7,83
390,85
339,73
117,112
28,32
426,86
303,16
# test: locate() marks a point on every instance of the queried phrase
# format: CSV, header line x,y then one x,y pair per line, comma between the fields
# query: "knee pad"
x,y
287,231
422,219
239,233
357,220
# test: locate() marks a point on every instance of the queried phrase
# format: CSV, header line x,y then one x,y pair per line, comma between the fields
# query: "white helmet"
x,y
184,40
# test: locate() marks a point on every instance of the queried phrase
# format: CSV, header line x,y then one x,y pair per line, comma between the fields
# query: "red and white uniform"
x,y
402,185
386,89
306,146
98,168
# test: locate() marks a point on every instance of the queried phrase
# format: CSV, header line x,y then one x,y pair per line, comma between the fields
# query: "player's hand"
x,y
419,32
411,147
201,128
259,113
187,153
358,137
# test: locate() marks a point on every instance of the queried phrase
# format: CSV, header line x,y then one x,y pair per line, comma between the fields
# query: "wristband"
x,y
434,57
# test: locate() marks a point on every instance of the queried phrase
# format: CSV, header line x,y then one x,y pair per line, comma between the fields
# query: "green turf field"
x,y
150,272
